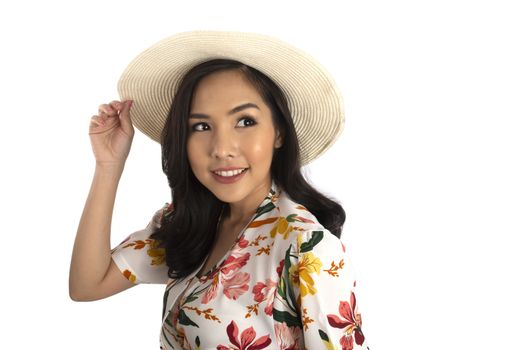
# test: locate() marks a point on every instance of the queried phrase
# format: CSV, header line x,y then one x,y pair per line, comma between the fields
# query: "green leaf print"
x,y
288,318
291,217
266,208
164,302
317,236
284,289
185,320
190,298
166,338
323,336
165,298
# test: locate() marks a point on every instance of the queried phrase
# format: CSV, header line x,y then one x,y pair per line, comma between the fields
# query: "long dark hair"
x,y
188,231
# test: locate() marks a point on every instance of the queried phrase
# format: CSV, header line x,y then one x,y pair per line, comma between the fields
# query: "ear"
x,y
278,140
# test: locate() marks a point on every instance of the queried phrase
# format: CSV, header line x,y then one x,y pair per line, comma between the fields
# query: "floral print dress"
x,y
285,283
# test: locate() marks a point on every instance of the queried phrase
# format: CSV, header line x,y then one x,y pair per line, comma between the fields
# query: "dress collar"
x,y
267,204
270,201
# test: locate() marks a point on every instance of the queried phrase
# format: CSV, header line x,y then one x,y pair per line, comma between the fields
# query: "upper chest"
x,y
227,236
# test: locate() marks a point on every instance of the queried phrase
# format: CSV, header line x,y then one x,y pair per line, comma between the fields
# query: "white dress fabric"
x,y
286,283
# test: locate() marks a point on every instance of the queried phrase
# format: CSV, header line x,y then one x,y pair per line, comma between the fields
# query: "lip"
x,y
229,168
231,179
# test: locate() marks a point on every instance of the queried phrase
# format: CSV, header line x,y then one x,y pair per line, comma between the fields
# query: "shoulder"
x,y
321,241
297,213
156,219
306,231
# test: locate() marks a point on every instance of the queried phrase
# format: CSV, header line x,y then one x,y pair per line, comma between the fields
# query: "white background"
x,y
430,168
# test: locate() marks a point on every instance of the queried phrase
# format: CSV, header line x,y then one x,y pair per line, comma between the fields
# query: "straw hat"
x,y
315,102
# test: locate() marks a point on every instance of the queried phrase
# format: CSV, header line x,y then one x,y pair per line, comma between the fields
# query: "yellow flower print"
x,y
158,254
300,273
282,227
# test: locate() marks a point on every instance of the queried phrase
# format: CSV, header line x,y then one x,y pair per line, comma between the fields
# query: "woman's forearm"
x,y
91,251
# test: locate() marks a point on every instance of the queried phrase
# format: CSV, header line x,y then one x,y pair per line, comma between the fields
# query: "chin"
x,y
228,193
228,196
220,190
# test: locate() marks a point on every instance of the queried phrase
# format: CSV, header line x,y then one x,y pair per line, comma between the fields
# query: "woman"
x,y
248,250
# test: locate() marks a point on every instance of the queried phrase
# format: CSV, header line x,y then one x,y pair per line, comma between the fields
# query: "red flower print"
x,y
264,291
234,262
257,290
280,268
236,285
288,338
243,243
246,342
351,321
211,291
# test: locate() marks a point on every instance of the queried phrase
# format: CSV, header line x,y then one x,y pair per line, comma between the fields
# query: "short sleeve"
x,y
139,258
323,283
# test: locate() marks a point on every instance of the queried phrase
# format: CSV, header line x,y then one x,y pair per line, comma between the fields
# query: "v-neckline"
x,y
217,265
205,276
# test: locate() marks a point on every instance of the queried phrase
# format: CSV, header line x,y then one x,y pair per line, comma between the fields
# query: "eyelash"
x,y
242,118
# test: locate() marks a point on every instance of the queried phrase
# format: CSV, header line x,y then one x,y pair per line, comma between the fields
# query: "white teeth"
x,y
229,173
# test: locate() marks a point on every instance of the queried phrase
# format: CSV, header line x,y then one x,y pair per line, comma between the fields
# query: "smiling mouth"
x,y
230,173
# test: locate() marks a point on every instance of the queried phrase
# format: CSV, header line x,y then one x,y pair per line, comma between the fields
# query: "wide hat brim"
x,y
315,102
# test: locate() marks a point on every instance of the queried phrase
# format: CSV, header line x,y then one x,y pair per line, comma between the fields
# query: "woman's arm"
x,y
92,273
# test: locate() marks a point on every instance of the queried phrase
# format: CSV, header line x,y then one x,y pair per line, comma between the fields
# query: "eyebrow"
x,y
233,111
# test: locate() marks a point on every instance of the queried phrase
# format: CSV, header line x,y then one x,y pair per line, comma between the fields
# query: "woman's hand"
x,y
111,133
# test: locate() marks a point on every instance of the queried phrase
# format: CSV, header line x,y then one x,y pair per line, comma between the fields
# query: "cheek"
x,y
259,149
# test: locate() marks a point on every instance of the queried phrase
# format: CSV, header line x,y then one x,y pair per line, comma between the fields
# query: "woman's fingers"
x,y
104,109
111,132
111,109
113,113
107,110
125,119
98,125
96,120
116,105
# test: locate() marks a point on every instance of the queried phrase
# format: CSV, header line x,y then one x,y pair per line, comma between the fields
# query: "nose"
x,y
224,144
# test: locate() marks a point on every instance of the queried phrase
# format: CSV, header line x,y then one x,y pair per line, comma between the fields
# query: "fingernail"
x,y
130,103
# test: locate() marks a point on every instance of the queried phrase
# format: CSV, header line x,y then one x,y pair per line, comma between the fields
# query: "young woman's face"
x,y
222,136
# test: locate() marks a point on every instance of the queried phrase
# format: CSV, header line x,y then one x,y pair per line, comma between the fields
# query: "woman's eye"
x,y
242,122
194,126
249,119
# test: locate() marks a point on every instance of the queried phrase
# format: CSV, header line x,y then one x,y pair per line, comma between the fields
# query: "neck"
x,y
241,212
236,217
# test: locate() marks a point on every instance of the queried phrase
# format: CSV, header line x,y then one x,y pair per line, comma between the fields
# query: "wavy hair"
x,y
188,231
